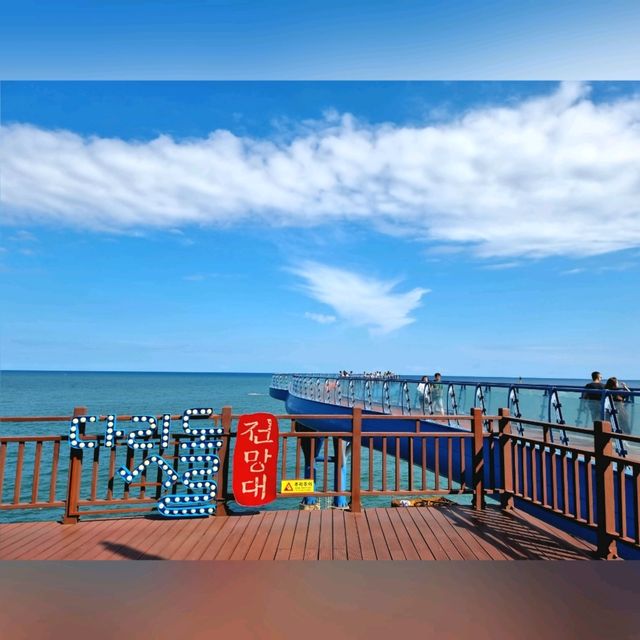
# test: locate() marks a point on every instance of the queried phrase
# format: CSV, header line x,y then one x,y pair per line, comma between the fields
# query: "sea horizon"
x,y
586,377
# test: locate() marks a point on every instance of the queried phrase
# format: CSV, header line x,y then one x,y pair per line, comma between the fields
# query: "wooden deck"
x,y
454,533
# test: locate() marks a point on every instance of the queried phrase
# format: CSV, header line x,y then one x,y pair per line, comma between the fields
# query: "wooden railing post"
x,y
71,507
223,475
506,458
478,458
356,450
605,504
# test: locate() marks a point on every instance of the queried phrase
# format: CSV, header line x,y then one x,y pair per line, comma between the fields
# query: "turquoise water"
x,y
24,393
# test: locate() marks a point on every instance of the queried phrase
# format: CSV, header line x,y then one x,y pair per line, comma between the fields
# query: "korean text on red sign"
x,y
255,459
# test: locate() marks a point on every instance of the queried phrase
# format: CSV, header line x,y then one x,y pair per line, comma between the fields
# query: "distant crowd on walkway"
x,y
373,374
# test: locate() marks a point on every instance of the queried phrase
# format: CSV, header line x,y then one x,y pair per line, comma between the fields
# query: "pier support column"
x,y
309,462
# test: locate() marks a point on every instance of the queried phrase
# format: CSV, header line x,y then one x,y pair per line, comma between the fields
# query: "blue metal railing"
x,y
559,404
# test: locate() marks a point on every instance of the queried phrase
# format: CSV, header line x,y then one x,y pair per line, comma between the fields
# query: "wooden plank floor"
x,y
454,533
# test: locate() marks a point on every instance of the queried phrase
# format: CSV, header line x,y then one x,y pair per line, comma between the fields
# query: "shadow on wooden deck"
x,y
452,533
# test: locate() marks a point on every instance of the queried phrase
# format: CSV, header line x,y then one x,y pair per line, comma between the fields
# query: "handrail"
x,y
467,382
562,403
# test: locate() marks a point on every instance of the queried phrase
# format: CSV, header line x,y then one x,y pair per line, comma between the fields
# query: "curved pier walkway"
x,y
450,533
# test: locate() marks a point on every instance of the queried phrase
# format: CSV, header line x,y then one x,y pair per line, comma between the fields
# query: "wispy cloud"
x,y
502,265
360,300
623,266
214,275
23,236
600,269
320,317
541,177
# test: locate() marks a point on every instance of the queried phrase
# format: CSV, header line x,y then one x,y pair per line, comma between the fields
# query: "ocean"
x,y
42,393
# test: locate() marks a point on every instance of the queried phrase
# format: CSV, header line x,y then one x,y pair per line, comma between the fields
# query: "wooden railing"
x,y
380,467
85,481
587,482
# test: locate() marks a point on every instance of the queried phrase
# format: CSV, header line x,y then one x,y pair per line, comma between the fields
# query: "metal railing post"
x,y
223,475
605,497
356,450
506,458
478,459
71,506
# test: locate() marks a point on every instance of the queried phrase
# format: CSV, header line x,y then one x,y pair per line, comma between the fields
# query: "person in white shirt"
x,y
437,394
422,397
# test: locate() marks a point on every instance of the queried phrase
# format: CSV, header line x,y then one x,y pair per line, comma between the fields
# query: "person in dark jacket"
x,y
594,398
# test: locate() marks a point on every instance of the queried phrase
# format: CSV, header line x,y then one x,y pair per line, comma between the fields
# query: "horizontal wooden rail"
x,y
33,439
69,418
552,425
35,418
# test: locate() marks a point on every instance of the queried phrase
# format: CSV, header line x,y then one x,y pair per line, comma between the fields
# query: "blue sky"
x,y
474,228
327,39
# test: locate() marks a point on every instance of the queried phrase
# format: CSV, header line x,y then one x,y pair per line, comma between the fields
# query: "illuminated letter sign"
x,y
197,450
255,460
197,447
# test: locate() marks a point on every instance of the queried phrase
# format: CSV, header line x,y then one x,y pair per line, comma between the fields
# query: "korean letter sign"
x,y
255,459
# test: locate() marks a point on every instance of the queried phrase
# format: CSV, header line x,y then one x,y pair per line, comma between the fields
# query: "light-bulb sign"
x,y
196,449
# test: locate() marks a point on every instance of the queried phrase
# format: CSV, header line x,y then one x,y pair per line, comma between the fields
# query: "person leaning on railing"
x,y
619,402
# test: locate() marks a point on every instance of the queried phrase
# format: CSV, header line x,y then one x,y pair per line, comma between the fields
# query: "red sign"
x,y
255,460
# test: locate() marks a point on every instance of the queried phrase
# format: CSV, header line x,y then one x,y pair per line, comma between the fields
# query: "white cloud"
x,y
320,317
360,300
23,236
502,265
554,175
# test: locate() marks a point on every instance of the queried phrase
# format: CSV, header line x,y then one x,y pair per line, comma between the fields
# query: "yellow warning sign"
x,y
296,486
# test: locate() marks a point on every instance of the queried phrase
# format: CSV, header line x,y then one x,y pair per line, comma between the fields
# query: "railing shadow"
x,y
514,536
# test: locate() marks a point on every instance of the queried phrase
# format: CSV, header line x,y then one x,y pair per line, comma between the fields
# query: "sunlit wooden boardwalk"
x,y
454,533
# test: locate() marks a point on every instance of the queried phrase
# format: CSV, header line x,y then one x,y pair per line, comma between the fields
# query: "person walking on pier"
x,y
437,394
594,398
422,395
